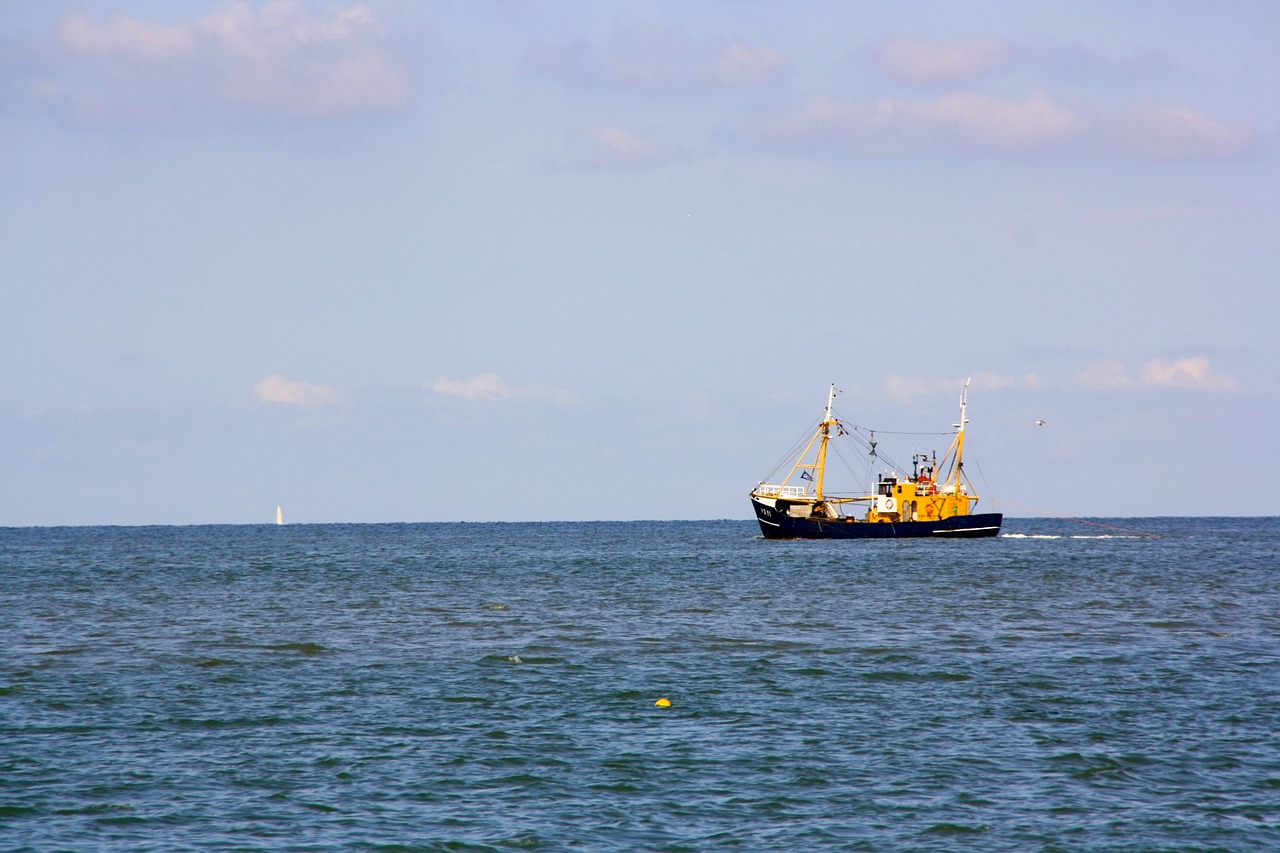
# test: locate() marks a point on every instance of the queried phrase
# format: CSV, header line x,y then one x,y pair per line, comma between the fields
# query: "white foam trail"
x,y
1059,536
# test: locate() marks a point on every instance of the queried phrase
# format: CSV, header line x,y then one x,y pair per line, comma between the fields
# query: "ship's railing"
x,y
780,491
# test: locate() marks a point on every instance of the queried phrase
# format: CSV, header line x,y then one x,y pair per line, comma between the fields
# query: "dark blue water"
x,y
492,686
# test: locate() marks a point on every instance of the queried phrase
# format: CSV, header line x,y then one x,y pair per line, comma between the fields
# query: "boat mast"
x,y
964,404
825,430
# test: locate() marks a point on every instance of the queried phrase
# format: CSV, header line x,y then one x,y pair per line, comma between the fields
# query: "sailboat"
x,y
936,501
279,515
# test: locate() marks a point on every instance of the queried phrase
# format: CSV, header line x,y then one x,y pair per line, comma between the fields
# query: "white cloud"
x,y
738,65
905,389
1038,57
1104,375
623,145
1156,132
928,62
1191,373
961,120
124,36
490,386
279,60
1194,374
972,122
278,389
661,59
612,147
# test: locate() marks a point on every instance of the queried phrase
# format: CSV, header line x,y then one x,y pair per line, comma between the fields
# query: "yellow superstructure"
x,y
918,499
923,497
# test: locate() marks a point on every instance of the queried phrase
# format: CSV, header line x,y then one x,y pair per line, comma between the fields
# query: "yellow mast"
x,y
964,403
955,453
819,464
825,429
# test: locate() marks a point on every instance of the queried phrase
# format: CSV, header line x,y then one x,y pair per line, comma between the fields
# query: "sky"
x,y
390,261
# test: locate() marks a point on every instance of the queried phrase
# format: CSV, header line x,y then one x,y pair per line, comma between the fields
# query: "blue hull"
x,y
780,525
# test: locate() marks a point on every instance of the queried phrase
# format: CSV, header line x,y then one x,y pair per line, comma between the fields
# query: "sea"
x,y
1072,685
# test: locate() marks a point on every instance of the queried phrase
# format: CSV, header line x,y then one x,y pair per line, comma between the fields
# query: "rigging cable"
x,y
982,475
790,455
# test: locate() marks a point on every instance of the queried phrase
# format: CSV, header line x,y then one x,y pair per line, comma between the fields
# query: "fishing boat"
x,y
936,500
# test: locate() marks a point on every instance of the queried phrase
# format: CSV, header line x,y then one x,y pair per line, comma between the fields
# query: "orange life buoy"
x,y
930,509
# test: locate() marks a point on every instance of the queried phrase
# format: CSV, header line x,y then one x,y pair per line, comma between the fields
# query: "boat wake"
x,y
1072,536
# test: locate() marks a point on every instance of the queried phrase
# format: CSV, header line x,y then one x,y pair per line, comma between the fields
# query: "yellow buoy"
x,y
664,702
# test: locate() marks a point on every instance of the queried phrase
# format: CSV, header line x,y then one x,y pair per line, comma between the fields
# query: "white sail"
x,y
279,515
